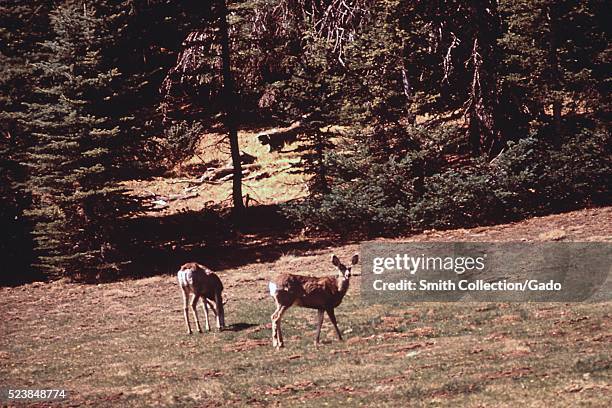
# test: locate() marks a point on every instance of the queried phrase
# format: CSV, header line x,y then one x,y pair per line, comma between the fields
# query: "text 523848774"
x,y
32,394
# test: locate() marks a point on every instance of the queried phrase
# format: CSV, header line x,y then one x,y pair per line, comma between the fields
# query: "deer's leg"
x,y
219,311
211,304
278,308
279,331
332,317
205,307
276,325
320,315
185,312
194,303
273,318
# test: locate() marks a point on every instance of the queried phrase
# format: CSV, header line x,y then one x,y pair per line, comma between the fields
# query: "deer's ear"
x,y
355,259
335,260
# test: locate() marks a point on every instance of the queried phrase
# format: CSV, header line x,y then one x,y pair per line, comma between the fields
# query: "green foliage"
x,y
418,85
556,50
76,205
181,139
530,177
22,26
538,93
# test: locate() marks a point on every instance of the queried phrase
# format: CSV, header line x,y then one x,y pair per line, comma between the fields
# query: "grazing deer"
x,y
203,283
323,294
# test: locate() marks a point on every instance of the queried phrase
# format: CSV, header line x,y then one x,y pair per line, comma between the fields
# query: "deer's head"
x,y
343,270
219,304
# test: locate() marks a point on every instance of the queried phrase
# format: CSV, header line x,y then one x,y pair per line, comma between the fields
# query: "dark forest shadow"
x,y
236,327
161,244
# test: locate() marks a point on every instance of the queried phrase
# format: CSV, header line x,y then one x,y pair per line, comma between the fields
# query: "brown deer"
x,y
203,283
323,294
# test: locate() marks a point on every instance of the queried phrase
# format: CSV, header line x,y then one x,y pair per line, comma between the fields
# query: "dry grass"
x,y
275,182
124,344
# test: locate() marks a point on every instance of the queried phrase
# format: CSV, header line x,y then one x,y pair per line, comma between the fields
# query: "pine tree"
x,y
556,60
76,206
206,63
22,26
147,36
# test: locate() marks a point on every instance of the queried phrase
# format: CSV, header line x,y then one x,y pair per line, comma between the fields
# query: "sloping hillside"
x,y
124,343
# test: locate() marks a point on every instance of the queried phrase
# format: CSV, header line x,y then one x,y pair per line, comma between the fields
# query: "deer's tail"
x,y
273,289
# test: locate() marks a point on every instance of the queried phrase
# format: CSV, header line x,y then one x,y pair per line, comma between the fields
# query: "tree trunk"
x,y
320,184
555,77
229,101
483,130
407,86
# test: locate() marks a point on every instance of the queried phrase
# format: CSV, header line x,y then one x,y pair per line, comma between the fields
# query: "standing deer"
x,y
323,294
203,283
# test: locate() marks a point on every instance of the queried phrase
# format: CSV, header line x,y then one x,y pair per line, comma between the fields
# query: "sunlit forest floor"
x,y
274,177
124,343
